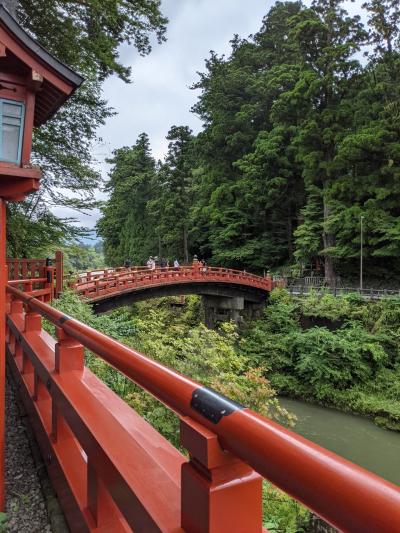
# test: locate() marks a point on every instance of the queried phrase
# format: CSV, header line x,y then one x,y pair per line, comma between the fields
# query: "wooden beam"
x,y
36,81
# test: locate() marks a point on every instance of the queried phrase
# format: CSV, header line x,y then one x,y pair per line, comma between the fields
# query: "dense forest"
x,y
300,139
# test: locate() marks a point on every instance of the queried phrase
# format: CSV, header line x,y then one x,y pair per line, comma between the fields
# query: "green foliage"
x,y
31,232
353,365
79,257
282,514
117,325
86,36
300,139
3,521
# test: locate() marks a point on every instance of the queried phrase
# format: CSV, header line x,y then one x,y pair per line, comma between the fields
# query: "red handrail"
x,y
27,281
345,495
96,285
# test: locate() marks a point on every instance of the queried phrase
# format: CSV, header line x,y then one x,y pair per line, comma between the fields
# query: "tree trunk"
x,y
11,6
289,230
185,245
329,240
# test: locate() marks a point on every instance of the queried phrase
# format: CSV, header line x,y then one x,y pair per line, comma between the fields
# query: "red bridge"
x,y
226,293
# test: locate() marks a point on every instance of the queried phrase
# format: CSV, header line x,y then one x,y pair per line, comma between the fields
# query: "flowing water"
x,y
355,438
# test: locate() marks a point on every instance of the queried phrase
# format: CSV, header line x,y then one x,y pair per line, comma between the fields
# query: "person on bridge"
x,y
176,263
196,263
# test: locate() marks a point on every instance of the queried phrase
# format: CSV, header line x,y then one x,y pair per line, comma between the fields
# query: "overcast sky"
x,y
159,95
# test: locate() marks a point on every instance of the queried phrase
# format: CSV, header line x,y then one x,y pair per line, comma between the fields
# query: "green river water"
x,y
355,438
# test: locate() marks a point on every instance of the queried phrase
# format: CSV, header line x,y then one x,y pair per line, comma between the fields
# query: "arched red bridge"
x,y
110,288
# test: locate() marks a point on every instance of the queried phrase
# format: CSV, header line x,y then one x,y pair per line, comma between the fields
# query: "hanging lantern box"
x,y
33,85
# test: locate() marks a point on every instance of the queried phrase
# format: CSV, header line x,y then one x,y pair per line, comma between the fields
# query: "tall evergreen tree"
x,y
328,39
127,225
384,25
235,199
174,194
368,156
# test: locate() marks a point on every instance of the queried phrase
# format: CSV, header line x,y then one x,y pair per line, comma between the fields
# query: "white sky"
x,y
159,96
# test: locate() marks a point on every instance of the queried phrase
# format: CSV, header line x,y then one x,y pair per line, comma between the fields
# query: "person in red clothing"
x,y
196,263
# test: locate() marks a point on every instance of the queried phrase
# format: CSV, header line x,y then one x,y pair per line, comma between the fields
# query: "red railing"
x,y
97,285
113,472
106,273
42,278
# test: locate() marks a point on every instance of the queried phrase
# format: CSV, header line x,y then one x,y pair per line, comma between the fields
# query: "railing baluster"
x,y
99,501
219,492
69,353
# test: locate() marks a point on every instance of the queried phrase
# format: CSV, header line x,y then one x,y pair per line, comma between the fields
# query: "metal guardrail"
x,y
113,470
370,294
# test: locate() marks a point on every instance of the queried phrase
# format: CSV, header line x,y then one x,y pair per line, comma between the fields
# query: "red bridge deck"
x,y
99,285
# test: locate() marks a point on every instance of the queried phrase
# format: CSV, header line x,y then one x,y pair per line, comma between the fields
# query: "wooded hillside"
x,y
301,138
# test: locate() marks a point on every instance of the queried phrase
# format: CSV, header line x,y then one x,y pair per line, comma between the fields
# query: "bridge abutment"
x,y
223,309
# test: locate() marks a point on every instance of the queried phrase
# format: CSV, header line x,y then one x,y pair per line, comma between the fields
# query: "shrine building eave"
x,y
59,81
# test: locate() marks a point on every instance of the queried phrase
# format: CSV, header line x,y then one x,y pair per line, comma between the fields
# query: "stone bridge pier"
x,y
224,308
222,301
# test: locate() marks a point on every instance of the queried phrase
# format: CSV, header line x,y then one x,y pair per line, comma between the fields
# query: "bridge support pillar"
x,y
222,309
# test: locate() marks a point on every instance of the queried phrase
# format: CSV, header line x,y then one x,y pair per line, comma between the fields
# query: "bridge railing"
x,y
42,278
106,273
112,470
100,284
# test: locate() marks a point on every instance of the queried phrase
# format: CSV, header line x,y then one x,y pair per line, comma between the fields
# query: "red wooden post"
x,y
3,282
220,493
99,501
59,273
69,356
24,268
69,353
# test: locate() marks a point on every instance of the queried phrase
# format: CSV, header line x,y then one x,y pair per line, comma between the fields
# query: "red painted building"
x,y
33,85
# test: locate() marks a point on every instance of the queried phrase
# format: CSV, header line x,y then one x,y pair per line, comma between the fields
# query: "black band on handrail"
x,y
213,405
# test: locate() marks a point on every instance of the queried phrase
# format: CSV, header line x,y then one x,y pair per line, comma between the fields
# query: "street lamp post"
x,y
361,251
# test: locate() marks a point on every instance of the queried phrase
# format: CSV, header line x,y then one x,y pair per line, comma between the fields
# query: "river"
x,y
353,437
